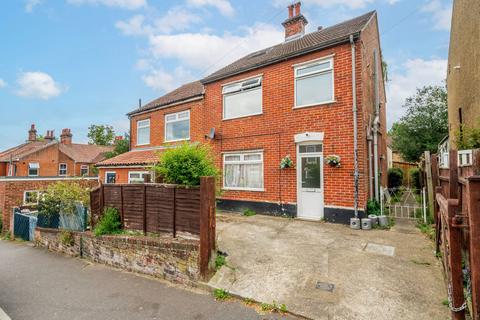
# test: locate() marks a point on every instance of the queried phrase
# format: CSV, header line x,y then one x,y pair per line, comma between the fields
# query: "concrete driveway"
x,y
328,271
37,284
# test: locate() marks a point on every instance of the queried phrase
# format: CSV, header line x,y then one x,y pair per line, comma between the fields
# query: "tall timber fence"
x,y
457,218
162,208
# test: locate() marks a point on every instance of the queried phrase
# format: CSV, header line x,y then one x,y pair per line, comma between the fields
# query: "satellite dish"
x,y
211,134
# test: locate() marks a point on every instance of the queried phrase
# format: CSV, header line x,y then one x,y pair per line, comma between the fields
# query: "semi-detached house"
x,y
314,98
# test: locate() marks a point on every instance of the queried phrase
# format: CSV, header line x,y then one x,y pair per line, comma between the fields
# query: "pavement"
x,y
328,271
41,285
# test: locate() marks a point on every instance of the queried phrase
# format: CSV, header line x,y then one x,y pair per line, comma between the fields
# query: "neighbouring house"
x,y
28,169
317,98
463,75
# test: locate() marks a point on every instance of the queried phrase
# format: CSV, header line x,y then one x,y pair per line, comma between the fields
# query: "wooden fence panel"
x,y
160,208
187,210
95,204
133,207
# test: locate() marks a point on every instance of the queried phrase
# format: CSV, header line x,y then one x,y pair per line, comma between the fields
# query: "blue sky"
x,y
72,63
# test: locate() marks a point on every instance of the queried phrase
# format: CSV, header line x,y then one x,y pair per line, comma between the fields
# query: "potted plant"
x,y
286,162
333,160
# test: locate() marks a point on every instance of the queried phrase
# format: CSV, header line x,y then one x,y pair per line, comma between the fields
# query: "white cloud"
x,y
31,4
161,80
125,4
3,84
441,14
206,52
134,26
37,85
352,4
413,74
224,6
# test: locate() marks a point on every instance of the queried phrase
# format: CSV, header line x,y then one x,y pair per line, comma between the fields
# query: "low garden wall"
x,y
173,259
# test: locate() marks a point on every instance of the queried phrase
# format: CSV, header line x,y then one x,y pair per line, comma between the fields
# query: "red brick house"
x,y
312,97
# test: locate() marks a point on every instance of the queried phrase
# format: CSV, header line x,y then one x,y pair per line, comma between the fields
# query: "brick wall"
x,y
12,191
173,259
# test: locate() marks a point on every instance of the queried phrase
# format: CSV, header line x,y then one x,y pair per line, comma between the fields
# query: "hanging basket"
x,y
286,162
333,161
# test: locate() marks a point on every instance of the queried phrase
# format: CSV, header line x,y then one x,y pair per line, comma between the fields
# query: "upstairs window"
x,y
84,170
242,98
314,83
33,169
177,126
62,169
143,132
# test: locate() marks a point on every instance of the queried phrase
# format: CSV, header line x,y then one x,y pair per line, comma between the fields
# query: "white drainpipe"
x,y
376,122
355,142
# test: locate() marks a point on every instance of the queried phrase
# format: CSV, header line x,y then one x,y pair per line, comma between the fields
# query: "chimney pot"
x,y
290,11
66,136
295,23
32,133
297,8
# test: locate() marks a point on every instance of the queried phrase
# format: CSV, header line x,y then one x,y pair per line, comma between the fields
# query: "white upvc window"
x,y
243,171
314,83
31,197
177,126
137,176
110,177
84,170
33,169
243,98
62,169
143,132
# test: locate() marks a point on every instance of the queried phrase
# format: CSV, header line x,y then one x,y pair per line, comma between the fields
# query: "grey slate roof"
x,y
309,42
185,92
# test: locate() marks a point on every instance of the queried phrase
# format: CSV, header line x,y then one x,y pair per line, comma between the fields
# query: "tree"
x,y
121,146
424,125
102,135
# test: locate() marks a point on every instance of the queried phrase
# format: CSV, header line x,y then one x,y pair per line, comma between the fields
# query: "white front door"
x,y
310,181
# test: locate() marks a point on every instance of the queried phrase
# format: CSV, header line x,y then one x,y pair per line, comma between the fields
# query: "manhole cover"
x,y
325,286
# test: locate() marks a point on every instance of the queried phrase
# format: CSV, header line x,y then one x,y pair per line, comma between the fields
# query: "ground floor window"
x,y
84,170
110,177
137,176
31,197
243,171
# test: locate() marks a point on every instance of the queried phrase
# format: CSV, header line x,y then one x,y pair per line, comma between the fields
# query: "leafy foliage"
x,y
63,196
101,135
395,177
424,125
220,261
121,146
249,212
467,138
373,207
415,177
185,164
110,223
221,294
66,238
273,307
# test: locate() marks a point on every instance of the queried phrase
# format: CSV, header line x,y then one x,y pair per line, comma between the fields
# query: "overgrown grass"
x,y
221,294
426,229
249,212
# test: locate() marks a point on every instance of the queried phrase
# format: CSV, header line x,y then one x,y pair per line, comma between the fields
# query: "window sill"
x,y
315,104
240,117
142,144
244,189
168,141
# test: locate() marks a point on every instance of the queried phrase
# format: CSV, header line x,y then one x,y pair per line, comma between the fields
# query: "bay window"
x,y
243,171
242,98
314,83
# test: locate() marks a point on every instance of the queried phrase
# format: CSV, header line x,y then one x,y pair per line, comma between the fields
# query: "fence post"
x,y
473,209
122,220
207,223
424,200
428,172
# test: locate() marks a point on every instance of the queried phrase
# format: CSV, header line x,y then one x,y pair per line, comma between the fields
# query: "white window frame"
x,y
82,167
139,126
106,175
242,161
25,203
239,90
38,169
311,74
176,114
136,172
60,169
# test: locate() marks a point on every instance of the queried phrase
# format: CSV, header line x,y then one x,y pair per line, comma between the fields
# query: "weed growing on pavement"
x,y
66,238
220,261
248,301
249,212
221,294
7,236
273,307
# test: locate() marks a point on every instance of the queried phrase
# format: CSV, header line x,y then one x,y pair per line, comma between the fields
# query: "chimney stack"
x,y
66,136
32,133
49,136
295,23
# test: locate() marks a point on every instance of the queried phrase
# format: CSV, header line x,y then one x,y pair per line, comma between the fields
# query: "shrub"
x,y
373,207
185,164
109,223
63,196
66,238
395,177
415,177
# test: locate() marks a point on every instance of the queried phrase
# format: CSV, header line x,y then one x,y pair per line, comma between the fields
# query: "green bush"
x,y
395,177
110,223
66,238
373,207
63,196
185,164
415,178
